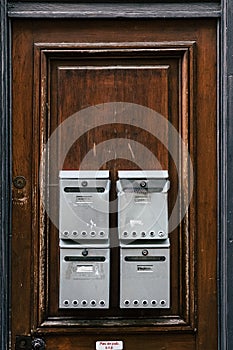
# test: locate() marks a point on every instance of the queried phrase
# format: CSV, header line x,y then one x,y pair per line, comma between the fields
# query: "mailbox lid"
x,y
84,174
143,174
143,181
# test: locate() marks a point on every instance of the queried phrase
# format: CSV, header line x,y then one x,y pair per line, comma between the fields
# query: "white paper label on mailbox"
x,y
109,345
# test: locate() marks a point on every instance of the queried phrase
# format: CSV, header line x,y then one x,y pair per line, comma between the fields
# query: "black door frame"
x,y
224,12
5,182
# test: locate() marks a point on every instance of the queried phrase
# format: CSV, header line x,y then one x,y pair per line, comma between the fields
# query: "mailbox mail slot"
x,y
145,275
84,205
142,205
84,278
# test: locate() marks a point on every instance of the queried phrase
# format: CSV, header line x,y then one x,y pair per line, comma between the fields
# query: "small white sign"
x,y
109,345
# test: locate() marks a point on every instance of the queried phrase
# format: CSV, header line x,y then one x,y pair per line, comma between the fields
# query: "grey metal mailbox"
x,y
84,277
145,275
84,205
142,205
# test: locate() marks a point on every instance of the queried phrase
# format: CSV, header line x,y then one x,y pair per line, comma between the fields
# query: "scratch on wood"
x,y
131,151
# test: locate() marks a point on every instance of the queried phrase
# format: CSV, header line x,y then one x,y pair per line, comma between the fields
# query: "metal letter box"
x,y
84,278
145,276
84,205
142,205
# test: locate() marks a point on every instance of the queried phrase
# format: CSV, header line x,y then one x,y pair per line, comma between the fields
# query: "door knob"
x,y
38,344
19,182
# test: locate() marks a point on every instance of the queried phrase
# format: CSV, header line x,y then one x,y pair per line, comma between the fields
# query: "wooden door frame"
x,y
224,13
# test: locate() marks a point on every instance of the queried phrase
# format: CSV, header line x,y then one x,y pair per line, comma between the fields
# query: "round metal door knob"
x,y
19,182
38,344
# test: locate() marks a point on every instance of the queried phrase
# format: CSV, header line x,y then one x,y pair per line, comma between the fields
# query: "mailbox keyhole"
x,y
85,252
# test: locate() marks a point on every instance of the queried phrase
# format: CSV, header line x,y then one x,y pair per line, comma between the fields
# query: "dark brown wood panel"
x,y
113,84
75,64
70,89
22,199
168,341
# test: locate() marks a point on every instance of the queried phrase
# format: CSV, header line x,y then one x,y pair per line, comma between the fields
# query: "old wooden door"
x,y
63,67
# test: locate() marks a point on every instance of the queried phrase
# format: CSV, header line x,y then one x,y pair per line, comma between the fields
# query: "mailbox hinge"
x,y
25,342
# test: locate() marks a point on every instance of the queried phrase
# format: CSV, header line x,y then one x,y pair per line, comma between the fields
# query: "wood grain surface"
x,y
61,67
